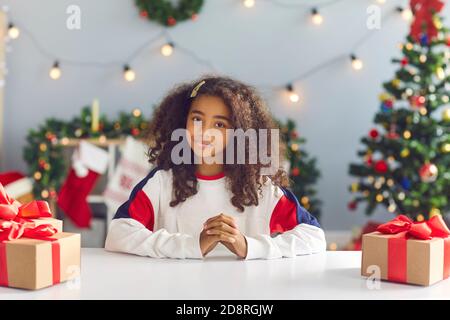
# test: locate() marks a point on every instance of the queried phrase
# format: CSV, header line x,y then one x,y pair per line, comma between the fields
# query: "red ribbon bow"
x,y
423,18
434,227
14,219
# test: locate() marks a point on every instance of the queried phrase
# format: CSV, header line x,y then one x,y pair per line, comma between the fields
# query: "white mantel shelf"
x,y
331,275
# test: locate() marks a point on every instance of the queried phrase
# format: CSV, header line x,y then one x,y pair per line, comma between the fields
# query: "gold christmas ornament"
x,y
43,147
384,96
404,153
445,148
379,198
434,212
446,114
396,82
423,111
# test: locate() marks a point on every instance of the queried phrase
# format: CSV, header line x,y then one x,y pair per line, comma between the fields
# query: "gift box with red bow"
x,y
409,252
34,252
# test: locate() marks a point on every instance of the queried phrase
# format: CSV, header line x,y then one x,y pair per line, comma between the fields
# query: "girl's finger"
x,y
223,217
229,220
212,219
222,236
223,226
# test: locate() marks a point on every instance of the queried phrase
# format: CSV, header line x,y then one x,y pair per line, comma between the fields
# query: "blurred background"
x,y
319,64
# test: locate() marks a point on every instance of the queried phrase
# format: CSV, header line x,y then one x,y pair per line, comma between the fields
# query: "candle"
x,y
95,115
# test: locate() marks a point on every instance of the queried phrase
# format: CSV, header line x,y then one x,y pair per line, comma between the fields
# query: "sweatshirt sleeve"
x,y
293,231
132,229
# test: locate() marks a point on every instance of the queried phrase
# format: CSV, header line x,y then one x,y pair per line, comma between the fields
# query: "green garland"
x,y
45,146
303,173
165,13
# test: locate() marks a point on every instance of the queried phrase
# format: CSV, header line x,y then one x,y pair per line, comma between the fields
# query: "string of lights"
x,y
170,45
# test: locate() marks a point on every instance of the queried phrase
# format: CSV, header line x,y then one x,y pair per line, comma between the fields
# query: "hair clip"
x,y
197,87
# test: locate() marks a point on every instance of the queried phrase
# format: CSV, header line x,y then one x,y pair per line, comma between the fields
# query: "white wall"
x,y
265,45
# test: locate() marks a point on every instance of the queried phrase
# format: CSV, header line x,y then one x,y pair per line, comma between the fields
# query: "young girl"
x,y
184,210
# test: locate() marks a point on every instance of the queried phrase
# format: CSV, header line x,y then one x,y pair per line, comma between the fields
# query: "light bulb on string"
x,y
381,1
13,31
293,96
55,71
167,49
249,3
357,64
316,17
128,73
405,13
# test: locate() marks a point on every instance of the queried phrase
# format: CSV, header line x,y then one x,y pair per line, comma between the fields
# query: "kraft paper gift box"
x,y
407,252
33,264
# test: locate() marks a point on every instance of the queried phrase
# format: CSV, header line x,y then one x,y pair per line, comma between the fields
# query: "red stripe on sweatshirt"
x,y
141,209
284,216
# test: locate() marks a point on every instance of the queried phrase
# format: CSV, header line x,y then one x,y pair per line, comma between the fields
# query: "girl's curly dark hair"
x,y
247,111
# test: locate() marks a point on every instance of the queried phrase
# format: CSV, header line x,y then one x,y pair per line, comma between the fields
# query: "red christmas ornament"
x,y
194,17
389,103
448,41
373,133
381,166
369,160
135,132
42,163
352,205
417,101
171,21
294,134
404,61
143,14
428,172
392,135
423,11
50,136
295,171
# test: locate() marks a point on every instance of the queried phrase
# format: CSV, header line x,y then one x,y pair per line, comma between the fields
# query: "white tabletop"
x,y
331,275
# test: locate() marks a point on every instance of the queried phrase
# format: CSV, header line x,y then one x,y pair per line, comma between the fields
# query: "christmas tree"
x,y
303,173
406,160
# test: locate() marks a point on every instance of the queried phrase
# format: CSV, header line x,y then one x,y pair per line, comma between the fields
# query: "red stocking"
x,y
89,162
72,197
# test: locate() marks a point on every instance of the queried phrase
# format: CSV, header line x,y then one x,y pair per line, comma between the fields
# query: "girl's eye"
x,y
196,119
220,125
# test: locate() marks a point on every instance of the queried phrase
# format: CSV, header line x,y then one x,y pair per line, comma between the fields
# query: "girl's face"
x,y
207,122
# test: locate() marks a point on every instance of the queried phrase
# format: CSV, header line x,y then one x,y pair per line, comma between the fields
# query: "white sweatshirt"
x,y
147,225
